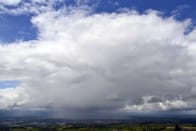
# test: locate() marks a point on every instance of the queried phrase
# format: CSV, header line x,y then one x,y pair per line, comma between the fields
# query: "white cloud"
x,y
12,98
163,105
27,7
10,2
101,62
39,6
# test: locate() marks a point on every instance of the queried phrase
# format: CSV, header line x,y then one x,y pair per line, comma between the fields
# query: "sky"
x,y
97,58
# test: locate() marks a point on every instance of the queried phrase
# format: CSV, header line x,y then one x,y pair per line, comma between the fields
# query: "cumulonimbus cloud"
x,y
121,61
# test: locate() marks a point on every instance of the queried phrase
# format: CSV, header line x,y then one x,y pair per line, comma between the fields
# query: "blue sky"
x,y
19,27
98,56
9,84
13,28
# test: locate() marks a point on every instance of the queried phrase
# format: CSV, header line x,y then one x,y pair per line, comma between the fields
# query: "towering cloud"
x,y
102,62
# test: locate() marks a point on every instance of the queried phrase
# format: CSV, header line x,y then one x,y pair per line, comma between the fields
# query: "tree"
x,y
177,128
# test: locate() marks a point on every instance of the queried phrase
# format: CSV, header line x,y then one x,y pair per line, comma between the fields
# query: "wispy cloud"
x,y
10,2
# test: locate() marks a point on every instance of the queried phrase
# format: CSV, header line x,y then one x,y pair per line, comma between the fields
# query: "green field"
x,y
112,127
